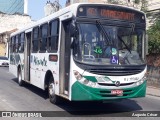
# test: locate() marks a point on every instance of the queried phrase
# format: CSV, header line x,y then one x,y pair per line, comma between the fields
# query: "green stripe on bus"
x,y
82,92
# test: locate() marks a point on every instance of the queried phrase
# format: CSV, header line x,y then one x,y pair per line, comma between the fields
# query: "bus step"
x,y
64,96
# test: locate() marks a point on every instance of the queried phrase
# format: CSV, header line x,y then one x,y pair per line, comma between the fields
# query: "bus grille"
x,y
113,72
122,84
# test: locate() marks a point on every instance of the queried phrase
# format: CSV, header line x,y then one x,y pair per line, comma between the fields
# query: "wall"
x,y
2,49
153,62
10,22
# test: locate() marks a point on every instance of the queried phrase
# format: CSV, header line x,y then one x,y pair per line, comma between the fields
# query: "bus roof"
x,y
71,8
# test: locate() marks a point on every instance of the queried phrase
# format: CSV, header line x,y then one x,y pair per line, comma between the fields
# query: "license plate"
x,y
117,92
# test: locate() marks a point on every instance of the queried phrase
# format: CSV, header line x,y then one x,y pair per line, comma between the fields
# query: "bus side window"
x,y
21,43
53,36
35,39
43,38
11,50
13,43
16,43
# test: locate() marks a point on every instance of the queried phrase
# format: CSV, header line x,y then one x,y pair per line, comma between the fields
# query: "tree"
x,y
113,1
136,1
154,38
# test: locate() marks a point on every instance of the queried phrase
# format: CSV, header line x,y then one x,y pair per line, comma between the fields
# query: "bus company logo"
x,y
6,114
42,62
117,83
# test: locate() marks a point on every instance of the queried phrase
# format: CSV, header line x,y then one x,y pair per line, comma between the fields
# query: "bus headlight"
x,y
77,75
83,80
141,81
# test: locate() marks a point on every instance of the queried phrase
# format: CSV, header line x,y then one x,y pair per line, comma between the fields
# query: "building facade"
x,y
9,24
153,4
51,7
153,12
12,6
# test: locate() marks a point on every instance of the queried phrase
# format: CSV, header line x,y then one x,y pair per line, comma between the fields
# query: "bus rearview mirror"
x,y
72,29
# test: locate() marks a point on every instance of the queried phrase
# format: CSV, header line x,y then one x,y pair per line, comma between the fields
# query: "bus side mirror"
x,y
72,29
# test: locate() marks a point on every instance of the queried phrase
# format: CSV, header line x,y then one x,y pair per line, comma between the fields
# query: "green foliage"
x,y
136,1
154,38
113,1
144,5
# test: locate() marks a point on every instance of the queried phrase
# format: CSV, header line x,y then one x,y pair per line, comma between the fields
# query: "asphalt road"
x,y
30,98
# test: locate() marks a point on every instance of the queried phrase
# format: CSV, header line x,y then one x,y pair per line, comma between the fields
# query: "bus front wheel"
x,y
51,90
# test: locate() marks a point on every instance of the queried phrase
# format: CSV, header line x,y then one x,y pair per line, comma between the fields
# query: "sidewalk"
x,y
153,91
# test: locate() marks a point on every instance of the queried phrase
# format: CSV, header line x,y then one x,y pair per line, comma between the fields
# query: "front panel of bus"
x,y
108,56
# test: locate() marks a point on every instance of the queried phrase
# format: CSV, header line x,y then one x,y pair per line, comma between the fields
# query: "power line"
x,y
11,6
15,7
13,10
20,7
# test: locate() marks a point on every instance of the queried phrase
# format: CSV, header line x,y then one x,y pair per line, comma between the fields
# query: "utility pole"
x,y
25,6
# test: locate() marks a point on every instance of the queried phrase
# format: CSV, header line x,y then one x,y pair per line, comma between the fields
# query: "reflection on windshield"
x,y
91,46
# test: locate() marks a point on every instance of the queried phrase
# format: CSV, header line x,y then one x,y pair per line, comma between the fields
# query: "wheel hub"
x,y
51,89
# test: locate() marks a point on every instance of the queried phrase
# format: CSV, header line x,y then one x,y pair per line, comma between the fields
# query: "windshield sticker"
x,y
114,51
114,59
98,50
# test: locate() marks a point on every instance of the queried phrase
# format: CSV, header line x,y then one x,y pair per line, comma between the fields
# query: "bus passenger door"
x,y
65,58
27,56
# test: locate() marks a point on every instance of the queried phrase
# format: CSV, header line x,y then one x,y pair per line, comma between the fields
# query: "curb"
x,y
152,95
153,87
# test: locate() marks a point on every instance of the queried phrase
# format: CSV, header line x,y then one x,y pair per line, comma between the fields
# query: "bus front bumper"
x,y
81,92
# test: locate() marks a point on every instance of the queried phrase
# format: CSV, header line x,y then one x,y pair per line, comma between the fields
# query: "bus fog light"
x,y
85,81
91,84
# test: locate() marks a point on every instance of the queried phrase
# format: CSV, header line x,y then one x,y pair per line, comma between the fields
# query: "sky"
x,y
36,8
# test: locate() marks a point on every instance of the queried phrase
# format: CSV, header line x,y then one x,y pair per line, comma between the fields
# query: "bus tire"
x,y
20,81
51,91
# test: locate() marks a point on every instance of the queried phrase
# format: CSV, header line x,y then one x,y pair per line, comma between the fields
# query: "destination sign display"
x,y
110,12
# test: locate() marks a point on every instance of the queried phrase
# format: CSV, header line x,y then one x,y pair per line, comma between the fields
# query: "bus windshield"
x,y
106,45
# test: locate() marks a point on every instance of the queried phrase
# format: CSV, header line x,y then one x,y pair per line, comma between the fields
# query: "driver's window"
x,y
134,43
126,41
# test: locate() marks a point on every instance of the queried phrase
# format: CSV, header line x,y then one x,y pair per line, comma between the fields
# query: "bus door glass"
x,y
65,57
27,57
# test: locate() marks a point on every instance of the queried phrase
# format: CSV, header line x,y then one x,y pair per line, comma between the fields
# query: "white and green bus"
x,y
84,52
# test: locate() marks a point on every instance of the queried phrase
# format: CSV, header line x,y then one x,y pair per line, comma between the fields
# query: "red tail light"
x,y
53,58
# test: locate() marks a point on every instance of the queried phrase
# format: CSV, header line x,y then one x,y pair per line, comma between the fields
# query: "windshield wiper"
x,y
124,44
104,32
